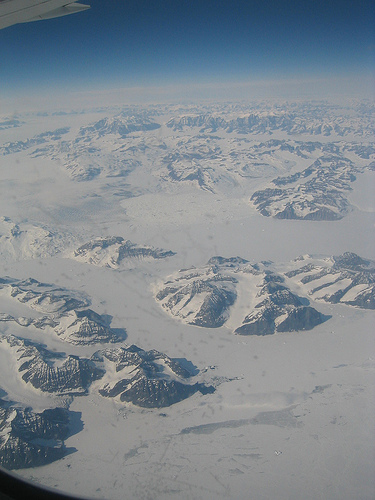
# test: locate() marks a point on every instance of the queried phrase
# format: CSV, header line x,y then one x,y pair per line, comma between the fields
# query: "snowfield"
x,y
134,242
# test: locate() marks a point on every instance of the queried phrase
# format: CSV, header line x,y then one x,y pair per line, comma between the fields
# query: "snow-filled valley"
x,y
187,300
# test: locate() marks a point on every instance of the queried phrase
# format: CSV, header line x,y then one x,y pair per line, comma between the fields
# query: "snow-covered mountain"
x,y
48,371
317,193
23,240
253,297
346,279
145,378
121,125
115,251
153,151
43,138
257,299
63,312
129,374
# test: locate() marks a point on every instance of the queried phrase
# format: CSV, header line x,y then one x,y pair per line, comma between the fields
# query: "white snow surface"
x,y
293,414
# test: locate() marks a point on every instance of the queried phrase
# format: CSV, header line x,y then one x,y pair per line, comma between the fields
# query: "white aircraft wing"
x,y
23,11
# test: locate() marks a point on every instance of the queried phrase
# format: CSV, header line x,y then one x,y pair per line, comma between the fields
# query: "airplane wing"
x,y
23,11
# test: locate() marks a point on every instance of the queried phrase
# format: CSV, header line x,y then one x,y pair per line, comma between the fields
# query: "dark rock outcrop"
x,y
280,311
30,439
151,379
51,372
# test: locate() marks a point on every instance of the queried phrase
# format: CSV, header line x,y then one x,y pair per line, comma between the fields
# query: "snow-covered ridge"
x,y
346,279
6,122
269,121
130,374
51,372
317,193
121,125
115,252
43,138
207,297
23,240
63,312
257,299
145,378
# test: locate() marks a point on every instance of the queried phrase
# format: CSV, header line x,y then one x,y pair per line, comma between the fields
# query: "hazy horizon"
x,y
145,44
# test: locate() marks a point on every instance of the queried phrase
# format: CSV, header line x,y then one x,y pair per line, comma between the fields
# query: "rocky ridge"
x,y
85,158
313,121
147,379
43,138
278,310
121,125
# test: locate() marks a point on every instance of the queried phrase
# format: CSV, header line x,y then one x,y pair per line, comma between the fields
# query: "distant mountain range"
x,y
266,121
221,149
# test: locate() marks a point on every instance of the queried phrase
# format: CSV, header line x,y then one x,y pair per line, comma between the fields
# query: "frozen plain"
x,y
292,414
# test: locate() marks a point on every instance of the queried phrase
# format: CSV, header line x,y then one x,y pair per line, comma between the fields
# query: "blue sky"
x,y
141,42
